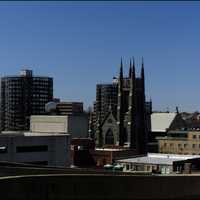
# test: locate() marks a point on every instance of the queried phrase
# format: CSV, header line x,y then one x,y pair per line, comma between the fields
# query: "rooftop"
x,y
22,133
109,149
157,158
161,121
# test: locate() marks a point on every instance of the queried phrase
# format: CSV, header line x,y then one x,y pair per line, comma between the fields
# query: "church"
x,y
122,116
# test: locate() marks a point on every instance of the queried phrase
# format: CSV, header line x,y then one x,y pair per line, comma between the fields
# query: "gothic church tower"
x,y
128,127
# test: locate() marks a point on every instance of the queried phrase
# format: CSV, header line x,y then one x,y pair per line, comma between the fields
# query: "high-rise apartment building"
x,y
22,96
106,95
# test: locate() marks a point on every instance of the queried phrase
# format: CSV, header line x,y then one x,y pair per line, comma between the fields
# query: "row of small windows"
x,y
182,145
196,136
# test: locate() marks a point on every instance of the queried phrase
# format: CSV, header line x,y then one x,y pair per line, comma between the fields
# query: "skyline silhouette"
x,y
80,44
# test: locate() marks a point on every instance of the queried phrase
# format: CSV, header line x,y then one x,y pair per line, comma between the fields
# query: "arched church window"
x,y
109,139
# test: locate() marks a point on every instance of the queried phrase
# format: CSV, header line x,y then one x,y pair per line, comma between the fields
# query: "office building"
x,y
106,96
39,146
48,149
22,96
180,142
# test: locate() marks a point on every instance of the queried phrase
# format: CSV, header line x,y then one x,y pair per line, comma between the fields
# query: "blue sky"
x,y
80,44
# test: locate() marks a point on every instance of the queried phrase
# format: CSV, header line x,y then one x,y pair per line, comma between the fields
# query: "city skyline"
x,y
81,44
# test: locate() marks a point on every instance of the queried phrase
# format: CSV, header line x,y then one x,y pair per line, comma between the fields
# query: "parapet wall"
x,y
105,187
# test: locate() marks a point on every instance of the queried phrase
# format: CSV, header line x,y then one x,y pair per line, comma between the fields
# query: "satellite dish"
x,y
50,106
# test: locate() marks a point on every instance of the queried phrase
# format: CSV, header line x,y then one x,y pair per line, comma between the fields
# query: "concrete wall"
x,y
92,187
58,153
49,124
76,125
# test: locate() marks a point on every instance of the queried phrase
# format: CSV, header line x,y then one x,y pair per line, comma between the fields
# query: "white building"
x,y
154,162
47,143
75,125
35,148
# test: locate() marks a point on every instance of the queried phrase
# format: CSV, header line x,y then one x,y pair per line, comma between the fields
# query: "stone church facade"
x,y
128,124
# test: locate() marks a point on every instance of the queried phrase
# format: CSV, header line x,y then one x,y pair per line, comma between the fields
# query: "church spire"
x,y
121,70
142,74
133,67
120,107
130,69
142,70
132,107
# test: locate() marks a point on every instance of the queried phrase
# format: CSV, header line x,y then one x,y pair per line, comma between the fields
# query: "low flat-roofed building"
x,y
81,149
69,108
49,149
104,156
75,125
155,162
64,108
180,142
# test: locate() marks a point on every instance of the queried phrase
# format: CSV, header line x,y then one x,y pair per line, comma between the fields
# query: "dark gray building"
x,y
22,96
106,95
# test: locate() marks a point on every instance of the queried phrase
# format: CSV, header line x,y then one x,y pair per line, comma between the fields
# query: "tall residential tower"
x,y
22,96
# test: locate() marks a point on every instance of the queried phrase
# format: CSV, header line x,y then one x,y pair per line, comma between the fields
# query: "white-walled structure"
x,y
75,125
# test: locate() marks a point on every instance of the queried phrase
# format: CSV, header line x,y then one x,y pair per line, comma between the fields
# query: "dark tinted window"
x,y
39,148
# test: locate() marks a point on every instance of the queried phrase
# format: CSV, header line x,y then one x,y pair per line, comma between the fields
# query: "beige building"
x,y
75,125
161,123
180,142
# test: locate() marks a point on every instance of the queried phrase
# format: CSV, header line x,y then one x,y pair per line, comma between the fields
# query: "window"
x,y
193,146
185,145
3,149
127,167
39,148
179,145
148,168
109,138
38,163
194,137
171,144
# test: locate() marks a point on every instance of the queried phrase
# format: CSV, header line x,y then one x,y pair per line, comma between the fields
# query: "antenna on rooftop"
x,y
177,110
